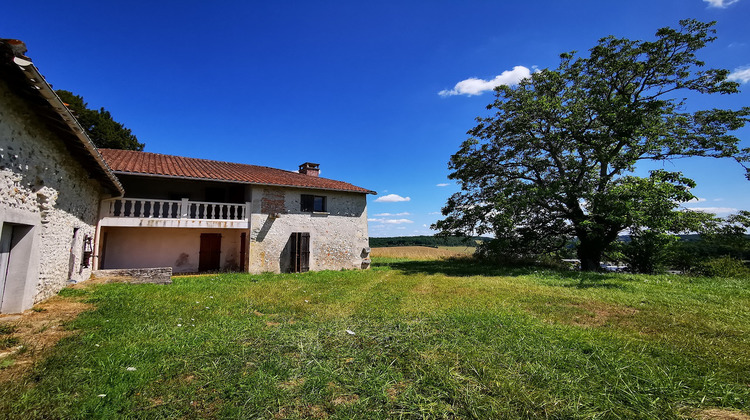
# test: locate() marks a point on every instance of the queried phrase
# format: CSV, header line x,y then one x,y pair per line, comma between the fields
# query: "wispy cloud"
x,y
741,75
391,221
721,4
719,211
392,198
406,213
473,86
443,184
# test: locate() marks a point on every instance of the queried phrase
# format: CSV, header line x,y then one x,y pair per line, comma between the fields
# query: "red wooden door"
x,y
210,252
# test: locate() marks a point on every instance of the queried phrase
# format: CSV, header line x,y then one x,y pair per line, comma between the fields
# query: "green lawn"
x,y
406,339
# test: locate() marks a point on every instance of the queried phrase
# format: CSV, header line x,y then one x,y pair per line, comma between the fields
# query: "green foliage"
x,y
6,329
7,342
103,130
648,252
723,267
555,160
719,237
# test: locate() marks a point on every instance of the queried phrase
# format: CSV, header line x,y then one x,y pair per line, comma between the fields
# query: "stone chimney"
x,y
308,168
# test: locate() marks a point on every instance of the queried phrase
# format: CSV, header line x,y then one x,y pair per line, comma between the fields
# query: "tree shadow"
x,y
467,267
458,267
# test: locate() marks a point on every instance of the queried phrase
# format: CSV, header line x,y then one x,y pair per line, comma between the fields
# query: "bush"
x,y
723,267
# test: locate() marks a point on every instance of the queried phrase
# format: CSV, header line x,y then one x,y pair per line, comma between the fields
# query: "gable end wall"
x,y
44,188
337,239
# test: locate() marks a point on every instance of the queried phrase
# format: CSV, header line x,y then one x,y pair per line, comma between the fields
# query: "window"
x,y
313,203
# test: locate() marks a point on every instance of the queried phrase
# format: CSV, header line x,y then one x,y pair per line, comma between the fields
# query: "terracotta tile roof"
x,y
133,162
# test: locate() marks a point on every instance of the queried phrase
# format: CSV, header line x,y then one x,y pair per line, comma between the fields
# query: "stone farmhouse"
x,y
202,215
68,208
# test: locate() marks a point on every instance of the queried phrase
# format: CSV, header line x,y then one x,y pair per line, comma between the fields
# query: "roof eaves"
x,y
267,184
38,83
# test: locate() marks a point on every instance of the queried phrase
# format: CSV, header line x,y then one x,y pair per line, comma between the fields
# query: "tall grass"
x,y
403,339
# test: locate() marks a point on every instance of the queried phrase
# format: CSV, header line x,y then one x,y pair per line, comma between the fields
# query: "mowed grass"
x,y
405,339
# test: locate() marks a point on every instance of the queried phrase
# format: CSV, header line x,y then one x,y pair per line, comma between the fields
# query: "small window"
x,y
313,203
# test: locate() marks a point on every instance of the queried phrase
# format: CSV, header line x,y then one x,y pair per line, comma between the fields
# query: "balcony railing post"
x,y
184,209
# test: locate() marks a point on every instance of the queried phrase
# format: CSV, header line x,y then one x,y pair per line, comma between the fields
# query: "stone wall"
x,y
43,189
338,237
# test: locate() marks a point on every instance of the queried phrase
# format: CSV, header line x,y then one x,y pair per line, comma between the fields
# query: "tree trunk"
x,y
590,255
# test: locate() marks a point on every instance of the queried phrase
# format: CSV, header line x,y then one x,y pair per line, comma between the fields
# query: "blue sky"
x,y
354,86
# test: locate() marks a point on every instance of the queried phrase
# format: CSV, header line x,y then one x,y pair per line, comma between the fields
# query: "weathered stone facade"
x,y
338,236
47,197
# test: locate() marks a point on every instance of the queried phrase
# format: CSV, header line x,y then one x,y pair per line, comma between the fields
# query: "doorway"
x,y
18,273
210,252
6,238
300,252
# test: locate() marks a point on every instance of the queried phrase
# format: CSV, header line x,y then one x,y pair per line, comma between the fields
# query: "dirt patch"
x,y
292,384
599,314
395,390
299,410
585,314
37,331
345,399
720,414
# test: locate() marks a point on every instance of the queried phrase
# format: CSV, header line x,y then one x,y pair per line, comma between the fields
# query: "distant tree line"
x,y
721,248
433,241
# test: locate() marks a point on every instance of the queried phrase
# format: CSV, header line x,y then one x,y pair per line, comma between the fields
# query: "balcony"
x,y
146,212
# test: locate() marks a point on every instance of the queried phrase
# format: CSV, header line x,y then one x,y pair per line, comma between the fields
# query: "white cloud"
x,y
406,213
392,198
720,3
442,185
719,211
391,221
697,200
434,212
741,75
473,86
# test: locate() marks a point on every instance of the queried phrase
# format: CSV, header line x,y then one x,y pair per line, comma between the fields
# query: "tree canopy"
x,y
103,130
557,158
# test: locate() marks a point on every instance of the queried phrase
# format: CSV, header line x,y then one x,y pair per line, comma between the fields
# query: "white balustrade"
x,y
173,209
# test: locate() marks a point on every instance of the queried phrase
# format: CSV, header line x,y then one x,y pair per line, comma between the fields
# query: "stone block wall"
x,y
338,237
45,190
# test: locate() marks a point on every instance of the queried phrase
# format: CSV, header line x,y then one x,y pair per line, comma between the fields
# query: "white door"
x,y
5,240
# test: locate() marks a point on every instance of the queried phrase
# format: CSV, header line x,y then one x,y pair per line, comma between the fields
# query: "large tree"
x,y
557,158
102,129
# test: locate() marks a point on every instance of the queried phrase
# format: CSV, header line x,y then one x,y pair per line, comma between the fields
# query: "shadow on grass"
x,y
467,267
458,267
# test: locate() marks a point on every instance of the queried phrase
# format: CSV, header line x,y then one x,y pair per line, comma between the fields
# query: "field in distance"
x,y
422,252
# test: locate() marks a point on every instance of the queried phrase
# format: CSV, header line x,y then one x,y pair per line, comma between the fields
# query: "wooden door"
x,y
210,252
300,252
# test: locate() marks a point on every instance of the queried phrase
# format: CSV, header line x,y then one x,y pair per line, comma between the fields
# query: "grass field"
x,y
413,339
422,252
